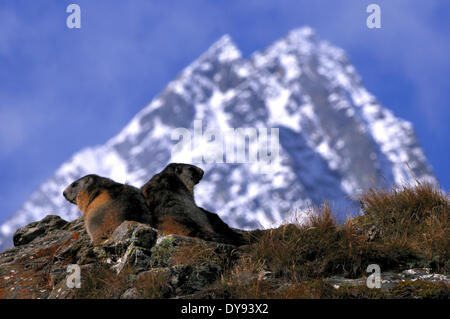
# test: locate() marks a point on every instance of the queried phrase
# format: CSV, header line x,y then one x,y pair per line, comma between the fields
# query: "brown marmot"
x,y
170,198
105,204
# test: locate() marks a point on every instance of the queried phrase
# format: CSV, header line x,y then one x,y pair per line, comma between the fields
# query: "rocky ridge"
x,y
37,266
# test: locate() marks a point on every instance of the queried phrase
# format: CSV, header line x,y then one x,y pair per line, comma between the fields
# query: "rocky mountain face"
x,y
335,139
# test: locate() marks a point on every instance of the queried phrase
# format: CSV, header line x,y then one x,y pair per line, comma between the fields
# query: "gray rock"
x,y
129,232
129,245
131,293
424,274
37,267
389,279
29,232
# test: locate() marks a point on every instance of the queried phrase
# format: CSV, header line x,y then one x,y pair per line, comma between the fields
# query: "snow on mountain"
x,y
335,138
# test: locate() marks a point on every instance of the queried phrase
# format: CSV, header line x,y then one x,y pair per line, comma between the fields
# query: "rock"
x,y
28,233
35,267
185,279
164,249
136,257
170,249
62,290
128,233
131,241
423,274
389,279
200,277
131,293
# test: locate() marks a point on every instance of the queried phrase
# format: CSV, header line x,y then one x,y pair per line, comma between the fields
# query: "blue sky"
x,y
62,89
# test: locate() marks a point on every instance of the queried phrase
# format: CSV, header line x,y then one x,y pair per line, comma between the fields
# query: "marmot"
x,y
105,204
170,198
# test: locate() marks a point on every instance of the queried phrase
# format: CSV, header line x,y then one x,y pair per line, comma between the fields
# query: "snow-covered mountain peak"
x,y
225,50
301,42
300,39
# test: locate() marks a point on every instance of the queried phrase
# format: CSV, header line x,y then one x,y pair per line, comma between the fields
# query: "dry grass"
x,y
242,281
404,209
411,223
153,285
317,248
192,254
102,282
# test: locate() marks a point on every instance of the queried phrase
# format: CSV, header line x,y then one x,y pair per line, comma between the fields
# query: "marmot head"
x,y
85,183
190,175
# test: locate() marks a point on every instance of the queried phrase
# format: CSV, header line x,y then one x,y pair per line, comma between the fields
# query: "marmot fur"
x,y
170,198
105,204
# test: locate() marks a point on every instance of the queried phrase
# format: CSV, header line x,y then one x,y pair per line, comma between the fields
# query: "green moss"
x,y
161,253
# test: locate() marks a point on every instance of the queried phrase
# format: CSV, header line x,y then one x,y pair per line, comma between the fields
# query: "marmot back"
x,y
170,198
105,204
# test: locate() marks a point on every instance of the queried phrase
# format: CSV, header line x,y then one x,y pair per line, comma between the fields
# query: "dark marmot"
x,y
170,198
105,204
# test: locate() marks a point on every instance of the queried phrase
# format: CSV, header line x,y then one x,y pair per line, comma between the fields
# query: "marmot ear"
x,y
178,170
89,179
196,173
